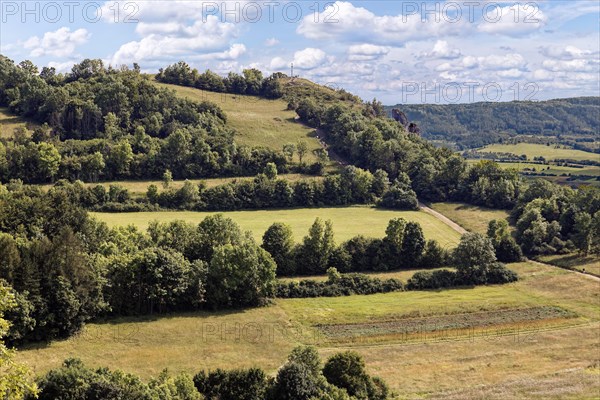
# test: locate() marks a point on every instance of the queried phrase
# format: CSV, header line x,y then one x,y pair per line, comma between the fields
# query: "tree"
x,y
390,251
167,179
295,381
120,157
48,160
316,249
240,276
413,243
506,248
111,126
584,234
289,149
270,171
347,371
160,279
473,255
301,149
279,242
15,379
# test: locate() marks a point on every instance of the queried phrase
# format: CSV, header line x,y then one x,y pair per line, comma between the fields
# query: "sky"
x,y
395,51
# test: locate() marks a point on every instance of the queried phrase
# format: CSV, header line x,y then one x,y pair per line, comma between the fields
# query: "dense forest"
x,y
574,120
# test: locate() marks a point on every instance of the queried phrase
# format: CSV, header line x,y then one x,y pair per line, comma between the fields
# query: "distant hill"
x,y
573,121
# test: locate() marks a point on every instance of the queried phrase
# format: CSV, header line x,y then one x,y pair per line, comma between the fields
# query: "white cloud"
x,y
278,63
309,58
271,42
366,52
61,66
578,65
495,62
514,20
59,43
170,40
441,49
357,24
566,53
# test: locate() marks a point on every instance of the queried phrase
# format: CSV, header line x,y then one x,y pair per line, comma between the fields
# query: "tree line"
x,y
250,82
303,376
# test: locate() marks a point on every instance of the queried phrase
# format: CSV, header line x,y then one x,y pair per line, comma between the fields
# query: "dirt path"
x,y
462,230
443,218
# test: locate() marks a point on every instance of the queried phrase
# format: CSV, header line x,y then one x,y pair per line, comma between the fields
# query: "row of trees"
x,y
302,377
250,82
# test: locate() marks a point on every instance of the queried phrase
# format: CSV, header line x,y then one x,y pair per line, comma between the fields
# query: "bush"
x,y
239,384
341,285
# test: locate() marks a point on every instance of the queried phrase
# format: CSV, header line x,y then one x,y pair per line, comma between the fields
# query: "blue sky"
x,y
396,51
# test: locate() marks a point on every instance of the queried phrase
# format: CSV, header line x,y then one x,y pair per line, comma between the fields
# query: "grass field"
x,y
550,169
258,121
574,261
347,221
138,188
536,150
9,122
535,338
472,218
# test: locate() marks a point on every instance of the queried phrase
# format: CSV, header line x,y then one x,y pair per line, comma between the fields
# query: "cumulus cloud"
x,y
271,42
165,41
357,24
495,62
367,52
306,59
59,43
566,53
441,49
514,20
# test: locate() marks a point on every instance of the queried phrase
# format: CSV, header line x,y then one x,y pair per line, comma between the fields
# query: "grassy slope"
x,y
347,221
9,122
259,122
472,218
495,356
577,262
548,152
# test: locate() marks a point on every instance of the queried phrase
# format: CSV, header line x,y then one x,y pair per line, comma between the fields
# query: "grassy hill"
x,y
258,121
347,221
511,341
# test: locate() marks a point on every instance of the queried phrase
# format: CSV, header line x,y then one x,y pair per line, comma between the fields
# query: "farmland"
x,y
347,221
491,356
531,150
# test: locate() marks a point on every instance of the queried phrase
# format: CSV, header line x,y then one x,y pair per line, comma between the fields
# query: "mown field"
x,y
258,121
535,150
578,262
549,169
472,218
531,339
347,221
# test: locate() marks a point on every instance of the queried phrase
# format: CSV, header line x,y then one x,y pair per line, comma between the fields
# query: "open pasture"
x,y
347,221
490,341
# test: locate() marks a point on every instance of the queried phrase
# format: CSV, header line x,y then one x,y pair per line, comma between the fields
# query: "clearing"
x,y
531,150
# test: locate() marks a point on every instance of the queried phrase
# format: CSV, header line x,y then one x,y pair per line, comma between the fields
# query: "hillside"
x,y
570,121
257,121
